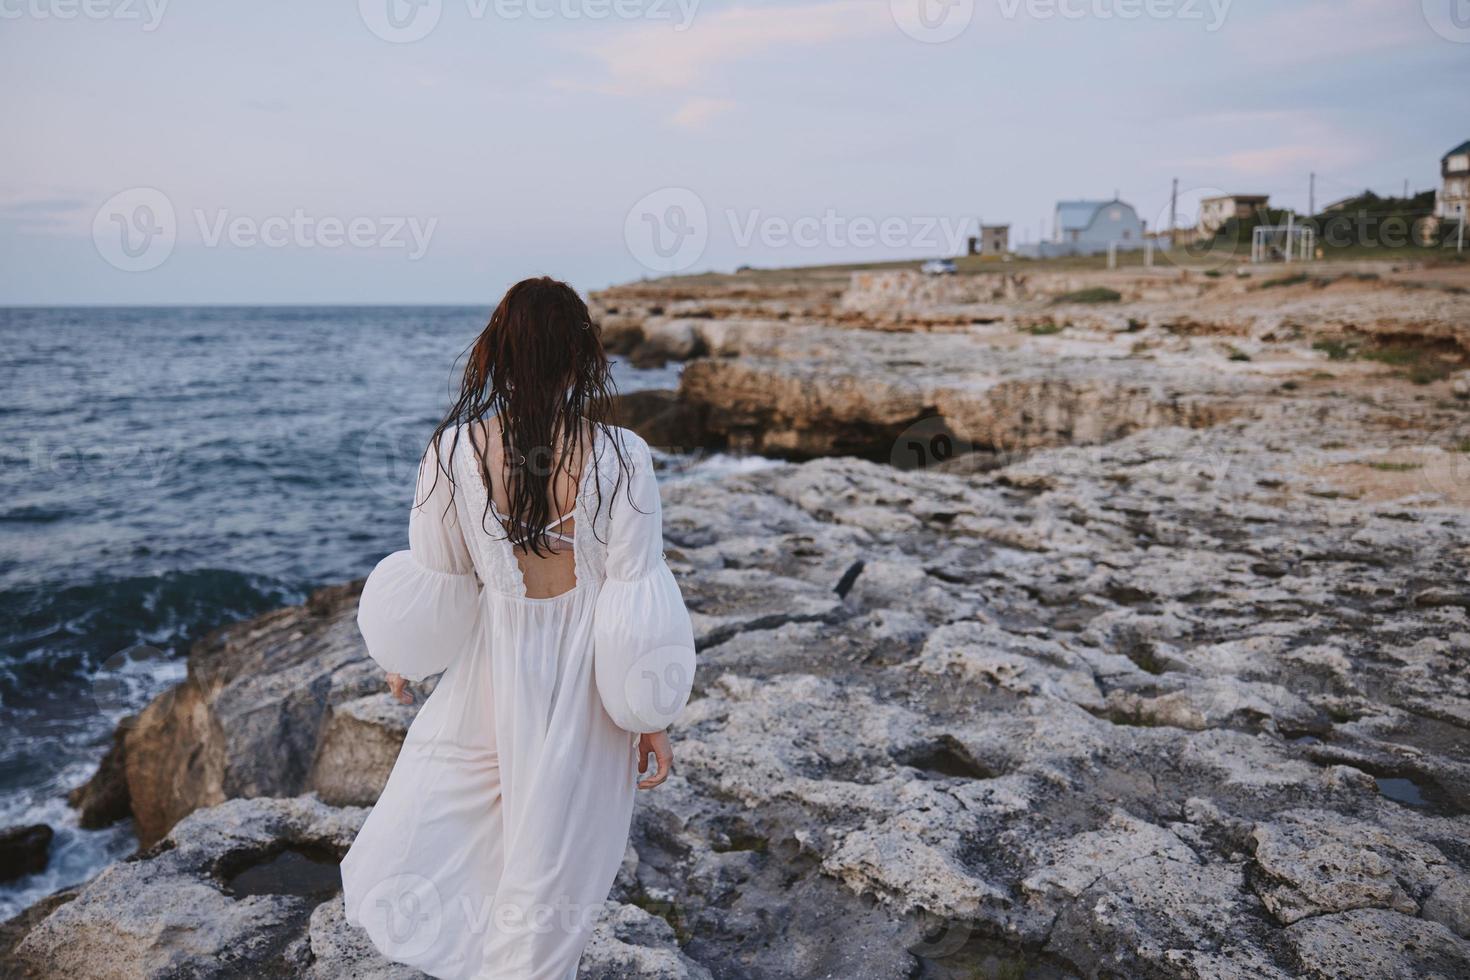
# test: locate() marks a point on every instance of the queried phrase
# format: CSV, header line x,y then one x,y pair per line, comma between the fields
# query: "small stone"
x,y
24,850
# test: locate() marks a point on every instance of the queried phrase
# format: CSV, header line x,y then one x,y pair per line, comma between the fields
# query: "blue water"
x,y
166,471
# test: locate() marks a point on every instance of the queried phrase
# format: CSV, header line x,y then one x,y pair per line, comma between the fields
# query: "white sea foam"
x,y
76,854
713,466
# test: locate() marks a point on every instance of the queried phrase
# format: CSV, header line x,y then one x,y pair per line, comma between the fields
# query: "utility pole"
x,y
1312,197
1174,214
1406,188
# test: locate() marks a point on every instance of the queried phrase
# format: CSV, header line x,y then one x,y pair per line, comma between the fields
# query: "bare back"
x,y
546,575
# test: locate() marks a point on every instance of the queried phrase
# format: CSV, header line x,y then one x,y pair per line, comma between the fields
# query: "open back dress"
x,y
495,842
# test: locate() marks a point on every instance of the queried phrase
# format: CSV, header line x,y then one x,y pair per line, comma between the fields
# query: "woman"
x,y
536,582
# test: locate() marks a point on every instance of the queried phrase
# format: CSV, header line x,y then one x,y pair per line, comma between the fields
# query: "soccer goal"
x,y
1283,243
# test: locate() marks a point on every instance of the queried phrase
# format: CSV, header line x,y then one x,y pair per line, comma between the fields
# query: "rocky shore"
x,y
1072,638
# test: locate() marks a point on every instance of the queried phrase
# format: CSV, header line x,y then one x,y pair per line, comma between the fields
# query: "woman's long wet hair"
x,y
538,366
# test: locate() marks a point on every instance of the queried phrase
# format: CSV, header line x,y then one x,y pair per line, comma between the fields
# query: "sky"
x,y
435,151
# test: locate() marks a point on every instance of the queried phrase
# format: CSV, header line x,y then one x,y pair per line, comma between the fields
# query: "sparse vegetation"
x,y
1097,294
1389,467
1336,350
665,910
1393,356
1428,372
1236,354
1295,280
1421,365
1045,329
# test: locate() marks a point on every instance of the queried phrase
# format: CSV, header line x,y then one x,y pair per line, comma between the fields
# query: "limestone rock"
x,y
104,799
359,744
666,338
248,719
331,949
661,419
1313,862
173,913
630,944
1376,943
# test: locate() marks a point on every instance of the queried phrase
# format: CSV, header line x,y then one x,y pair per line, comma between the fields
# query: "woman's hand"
x,y
398,687
658,744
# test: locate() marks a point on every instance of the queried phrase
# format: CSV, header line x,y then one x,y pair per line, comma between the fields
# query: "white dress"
x,y
493,846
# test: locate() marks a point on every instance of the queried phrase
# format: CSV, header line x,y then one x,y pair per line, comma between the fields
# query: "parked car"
x,y
938,267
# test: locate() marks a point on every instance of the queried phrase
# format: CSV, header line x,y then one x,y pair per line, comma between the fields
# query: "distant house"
x,y
1454,195
993,240
1094,225
1214,212
1090,228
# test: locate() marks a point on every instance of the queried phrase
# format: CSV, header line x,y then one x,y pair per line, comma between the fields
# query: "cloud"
x,y
696,113
1273,160
1268,143
656,58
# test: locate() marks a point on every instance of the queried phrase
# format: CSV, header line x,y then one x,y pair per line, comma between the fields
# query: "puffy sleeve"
x,y
643,641
420,607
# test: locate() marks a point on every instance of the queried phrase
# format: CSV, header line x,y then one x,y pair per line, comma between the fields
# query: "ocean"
x,y
170,470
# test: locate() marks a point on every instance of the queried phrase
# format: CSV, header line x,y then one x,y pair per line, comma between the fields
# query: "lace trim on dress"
x,y
593,521
497,566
